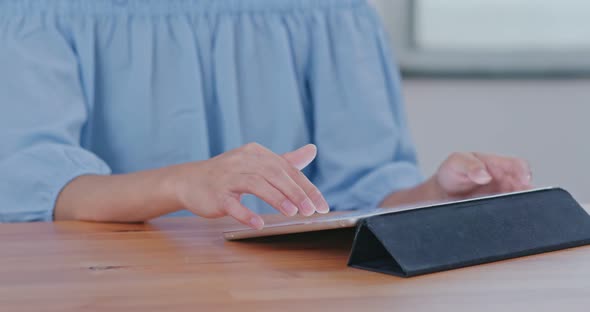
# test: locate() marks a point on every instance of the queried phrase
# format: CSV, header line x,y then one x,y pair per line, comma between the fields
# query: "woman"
x,y
122,111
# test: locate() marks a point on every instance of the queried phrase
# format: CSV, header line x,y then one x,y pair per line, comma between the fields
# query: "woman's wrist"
x,y
133,197
169,187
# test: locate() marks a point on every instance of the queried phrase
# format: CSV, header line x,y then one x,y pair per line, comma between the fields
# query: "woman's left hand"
x,y
465,175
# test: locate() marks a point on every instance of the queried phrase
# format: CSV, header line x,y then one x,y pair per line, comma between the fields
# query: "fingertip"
x,y
320,202
288,208
324,211
528,176
307,208
257,222
323,207
301,157
312,147
526,179
526,183
480,176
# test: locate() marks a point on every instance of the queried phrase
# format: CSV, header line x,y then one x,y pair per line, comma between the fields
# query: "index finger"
x,y
516,168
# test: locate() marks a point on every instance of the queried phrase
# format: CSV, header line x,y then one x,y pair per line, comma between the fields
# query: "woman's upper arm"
x,y
42,113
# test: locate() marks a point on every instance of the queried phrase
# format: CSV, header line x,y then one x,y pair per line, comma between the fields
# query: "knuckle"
x,y
235,160
251,181
456,156
278,201
299,196
254,151
511,161
226,204
506,164
246,149
252,147
314,191
274,172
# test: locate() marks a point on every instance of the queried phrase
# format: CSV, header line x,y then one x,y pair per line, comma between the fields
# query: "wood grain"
x,y
185,265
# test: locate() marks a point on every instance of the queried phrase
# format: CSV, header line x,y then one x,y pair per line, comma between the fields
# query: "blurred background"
x,y
504,76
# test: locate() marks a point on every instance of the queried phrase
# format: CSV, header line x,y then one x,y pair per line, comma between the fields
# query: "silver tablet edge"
x,y
238,234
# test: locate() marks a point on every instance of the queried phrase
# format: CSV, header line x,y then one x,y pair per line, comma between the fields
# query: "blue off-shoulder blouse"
x,y
116,86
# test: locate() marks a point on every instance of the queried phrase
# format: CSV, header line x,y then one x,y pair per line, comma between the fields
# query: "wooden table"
x,y
185,265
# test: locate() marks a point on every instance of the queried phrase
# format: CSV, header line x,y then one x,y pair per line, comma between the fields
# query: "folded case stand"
x,y
455,235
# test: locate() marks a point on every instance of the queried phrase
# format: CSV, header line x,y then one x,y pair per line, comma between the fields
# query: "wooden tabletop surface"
x,y
183,264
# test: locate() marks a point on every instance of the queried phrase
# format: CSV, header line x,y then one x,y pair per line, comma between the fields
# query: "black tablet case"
x,y
455,235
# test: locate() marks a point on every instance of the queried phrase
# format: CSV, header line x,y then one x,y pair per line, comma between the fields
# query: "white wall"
x,y
545,121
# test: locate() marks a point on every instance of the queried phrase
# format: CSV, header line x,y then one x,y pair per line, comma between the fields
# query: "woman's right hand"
x,y
213,188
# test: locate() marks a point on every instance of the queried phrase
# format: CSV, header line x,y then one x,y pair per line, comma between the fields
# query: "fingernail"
x,y
257,223
321,204
323,207
289,208
481,176
307,207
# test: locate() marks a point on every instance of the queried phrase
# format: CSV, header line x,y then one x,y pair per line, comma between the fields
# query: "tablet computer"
x,y
341,219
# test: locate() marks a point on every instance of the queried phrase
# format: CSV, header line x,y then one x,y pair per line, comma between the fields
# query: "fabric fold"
x,y
124,86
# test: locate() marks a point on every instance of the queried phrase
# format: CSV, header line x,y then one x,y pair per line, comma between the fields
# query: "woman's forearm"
x,y
210,188
140,196
133,197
